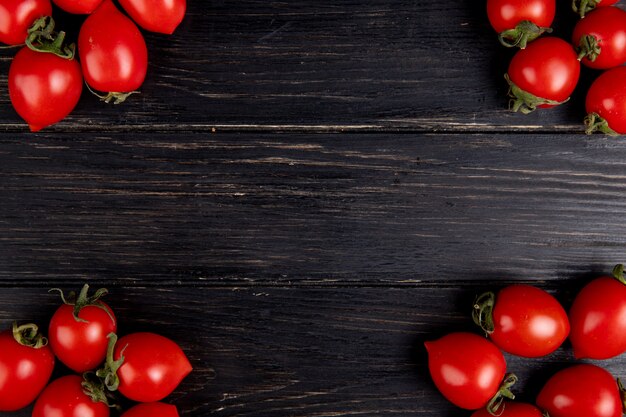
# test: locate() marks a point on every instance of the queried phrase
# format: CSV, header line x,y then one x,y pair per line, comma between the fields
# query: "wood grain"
x,y
305,66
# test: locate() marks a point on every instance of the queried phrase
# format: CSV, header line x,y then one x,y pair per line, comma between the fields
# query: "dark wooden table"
x,y
303,193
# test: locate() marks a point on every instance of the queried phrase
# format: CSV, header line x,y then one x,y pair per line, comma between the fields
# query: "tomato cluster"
x,y
546,69
143,367
523,320
46,76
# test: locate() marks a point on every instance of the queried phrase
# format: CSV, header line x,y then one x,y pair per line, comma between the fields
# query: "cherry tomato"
x,y
581,391
512,409
17,16
78,6
522,320
585,6
606,103
66,397
79,331
520,21
601,38
43,87
112,51
26,365
542,75
598,318
152,367
162,16
466,368
152,410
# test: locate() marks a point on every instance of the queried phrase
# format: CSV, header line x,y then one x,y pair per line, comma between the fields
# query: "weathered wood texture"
x,y
343,65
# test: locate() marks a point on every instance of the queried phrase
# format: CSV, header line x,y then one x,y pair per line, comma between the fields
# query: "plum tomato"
x,y
69,396
583,7
520,21
512,409
44,88
78,6
79,330
606,103
522,320
26,364
469,371
600,38
162,16
598,317
17,16
583,390
543,75
155,409
112,52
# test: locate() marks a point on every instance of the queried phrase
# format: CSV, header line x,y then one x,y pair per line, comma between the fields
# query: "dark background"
x,y
303,193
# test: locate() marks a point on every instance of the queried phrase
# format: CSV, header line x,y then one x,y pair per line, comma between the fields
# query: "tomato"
x,y
78,6
162,16
467,369
151,367
152,410
581,391
17,16
542,75
512,409
112,52
520,21
601,38
43,87
26,364
585,6
522,320
79,330
598,318
606,103
66,397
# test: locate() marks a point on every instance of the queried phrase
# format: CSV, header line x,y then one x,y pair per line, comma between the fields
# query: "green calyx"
x,y
94,388
524,32
595,123
618,273
525,102
28,335
113,96
108,372
83,299
483,312
583,7
588,47
43,38
496,405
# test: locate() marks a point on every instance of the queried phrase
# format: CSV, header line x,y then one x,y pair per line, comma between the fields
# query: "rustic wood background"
x,y
303,193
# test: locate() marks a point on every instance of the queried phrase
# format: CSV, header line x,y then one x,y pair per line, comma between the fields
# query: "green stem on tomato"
x,y
28,335
524,32
583,7
589,48
109,371
84,300
113,96
42,38
525,102
595,123
483,311
497,402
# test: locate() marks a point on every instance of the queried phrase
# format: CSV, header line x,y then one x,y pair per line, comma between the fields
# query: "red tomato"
x,y
65,397
466,368
152,410
113,61
520,21
512,409
606,103
601,38
598,318
17,16
542,75
161,16
153,366
78,6
522,320
43,87
585,6
79,331
581,391
26,365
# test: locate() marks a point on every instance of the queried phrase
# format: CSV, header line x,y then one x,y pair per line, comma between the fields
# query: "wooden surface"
x,y
303,194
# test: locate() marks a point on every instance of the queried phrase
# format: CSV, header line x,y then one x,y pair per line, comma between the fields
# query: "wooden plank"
x,y
270,351
349,65
255,209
